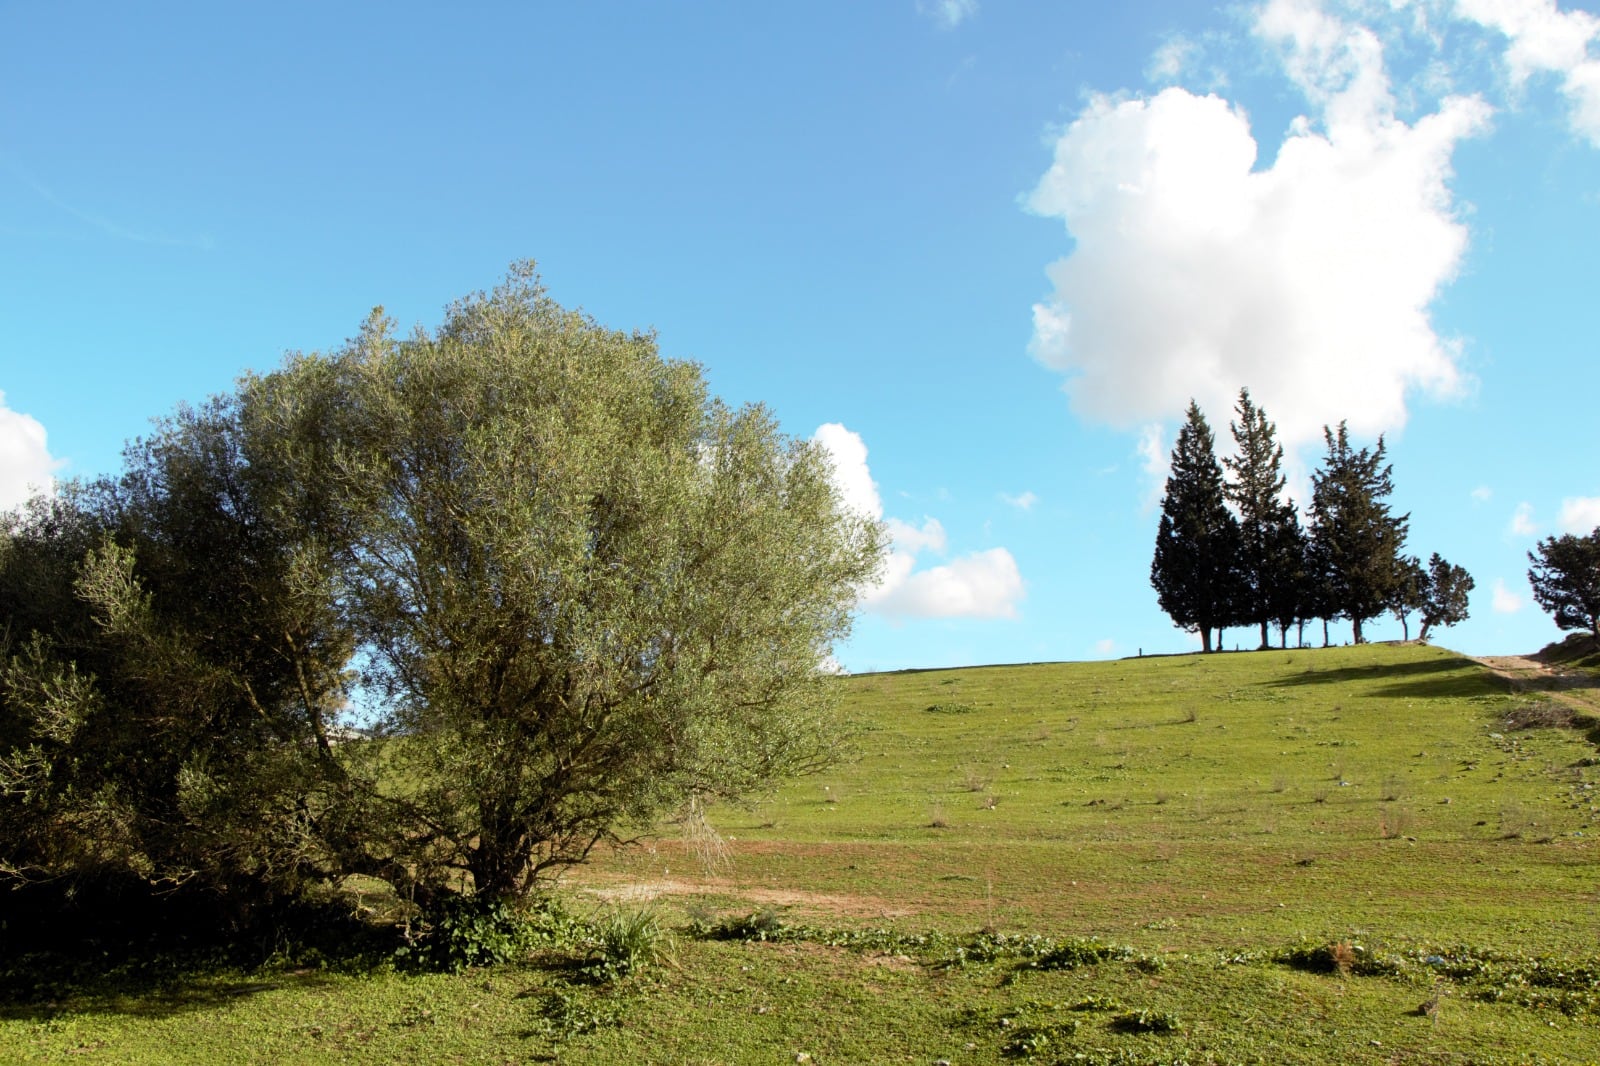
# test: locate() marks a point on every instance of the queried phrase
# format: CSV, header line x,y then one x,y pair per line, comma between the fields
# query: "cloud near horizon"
x,y
983,584
1195,272
26,465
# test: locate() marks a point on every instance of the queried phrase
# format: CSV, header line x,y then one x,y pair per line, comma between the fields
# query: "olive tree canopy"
x,y
584,591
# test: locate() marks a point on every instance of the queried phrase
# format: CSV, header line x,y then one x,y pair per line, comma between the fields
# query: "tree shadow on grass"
x,y
1437,678
38,988
100,951
1564,682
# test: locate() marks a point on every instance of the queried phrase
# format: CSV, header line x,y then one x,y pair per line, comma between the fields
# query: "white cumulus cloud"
x,y
1580,514
26,465
984,584
850,472
1505,601
1543,39
1195,272
1522,523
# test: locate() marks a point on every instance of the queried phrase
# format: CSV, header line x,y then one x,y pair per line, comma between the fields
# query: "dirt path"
x,y
833,904
1574,688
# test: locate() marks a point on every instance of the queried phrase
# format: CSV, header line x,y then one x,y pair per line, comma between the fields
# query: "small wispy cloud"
x,y
1482,494
1170,60
1024,501
1105,647
947,13
1522,523
107,226
1505,601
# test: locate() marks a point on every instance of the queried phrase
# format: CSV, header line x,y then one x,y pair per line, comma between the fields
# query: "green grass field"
x,y
1317,856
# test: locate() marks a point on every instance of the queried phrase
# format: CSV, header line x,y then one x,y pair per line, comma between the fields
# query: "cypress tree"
x,y
1266,545
1359,538
1195,569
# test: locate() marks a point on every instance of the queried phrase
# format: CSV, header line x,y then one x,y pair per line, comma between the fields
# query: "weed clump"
x,y
1343,957
1146,1021
563,1015
762,925
1075,953
1542,714
949,708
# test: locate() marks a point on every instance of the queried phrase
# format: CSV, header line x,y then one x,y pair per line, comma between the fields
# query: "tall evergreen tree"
x,y
1195,571
1256,492
1360,539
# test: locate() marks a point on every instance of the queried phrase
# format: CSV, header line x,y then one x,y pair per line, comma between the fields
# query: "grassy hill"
x,y
1341,855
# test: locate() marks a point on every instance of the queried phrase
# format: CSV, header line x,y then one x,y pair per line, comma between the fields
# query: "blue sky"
x,y
987,250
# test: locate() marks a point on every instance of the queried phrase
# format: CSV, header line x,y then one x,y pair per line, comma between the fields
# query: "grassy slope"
x,y
1198,809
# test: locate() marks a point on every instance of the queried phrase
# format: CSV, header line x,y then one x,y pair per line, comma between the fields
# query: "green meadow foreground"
x,y
1373,854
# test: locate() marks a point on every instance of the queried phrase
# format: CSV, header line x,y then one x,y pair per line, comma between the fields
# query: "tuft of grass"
x,y
624,942
1393,822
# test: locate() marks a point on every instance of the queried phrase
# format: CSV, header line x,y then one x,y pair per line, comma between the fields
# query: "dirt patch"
x,y
1576,689
815,902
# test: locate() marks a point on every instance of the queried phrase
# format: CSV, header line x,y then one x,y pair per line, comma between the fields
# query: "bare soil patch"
x,y
1577,689
828,903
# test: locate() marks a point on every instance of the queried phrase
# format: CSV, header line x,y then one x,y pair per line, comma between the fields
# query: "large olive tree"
x,y
585,593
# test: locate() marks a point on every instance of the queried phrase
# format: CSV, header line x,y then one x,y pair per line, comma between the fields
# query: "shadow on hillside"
x,y
1552,682
1436,679
1460,686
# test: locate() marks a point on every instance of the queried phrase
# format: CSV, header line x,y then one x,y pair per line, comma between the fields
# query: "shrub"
x,y
462,931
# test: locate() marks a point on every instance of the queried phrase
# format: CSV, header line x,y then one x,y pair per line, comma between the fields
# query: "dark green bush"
x,y
463,931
